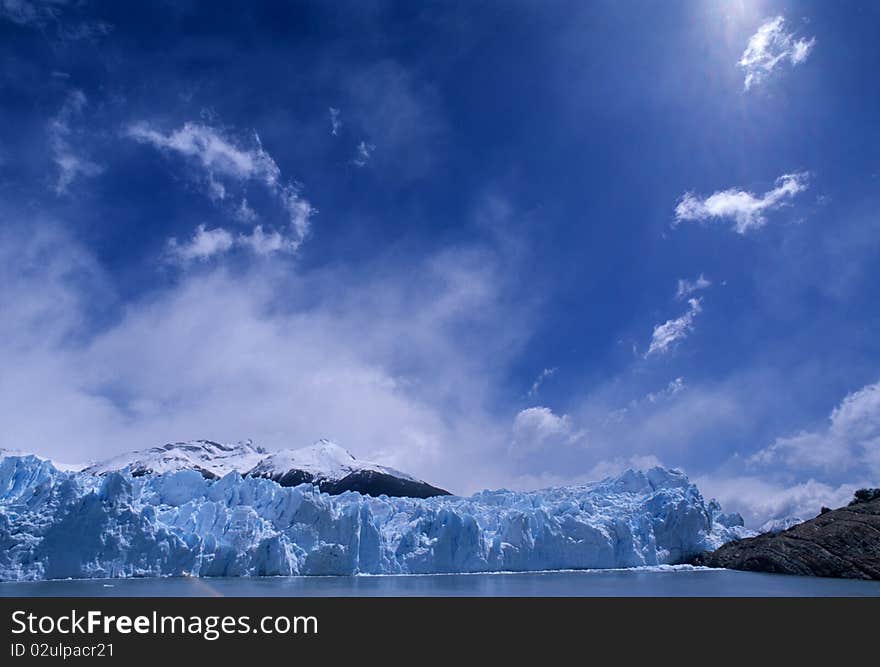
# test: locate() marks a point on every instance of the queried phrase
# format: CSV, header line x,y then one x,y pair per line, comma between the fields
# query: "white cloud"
x,y
70,162
263,243
281,355
335,121
674,387
542,377
47,286
217,154
244,212
771,45
801,50
222,161
730,416
746,210
204,244
669,333
539,428
364,153
759,500
688,287
849,444
299,211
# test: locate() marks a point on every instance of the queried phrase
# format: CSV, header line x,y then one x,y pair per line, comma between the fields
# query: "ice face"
x,y
59,524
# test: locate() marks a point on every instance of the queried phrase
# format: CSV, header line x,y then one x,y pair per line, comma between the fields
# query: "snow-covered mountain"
x,y
211,459
325,464
335,470
56,524
779,525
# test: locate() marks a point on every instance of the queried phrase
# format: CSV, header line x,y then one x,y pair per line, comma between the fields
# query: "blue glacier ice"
x,y
60,524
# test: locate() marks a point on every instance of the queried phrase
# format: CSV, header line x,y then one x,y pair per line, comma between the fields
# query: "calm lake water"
x,y
627,583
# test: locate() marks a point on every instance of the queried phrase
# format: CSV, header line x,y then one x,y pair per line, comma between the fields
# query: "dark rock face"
x,y
837,543
141,471
373,483
367,482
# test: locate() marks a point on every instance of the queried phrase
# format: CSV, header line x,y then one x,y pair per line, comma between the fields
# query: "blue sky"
x,y
495,244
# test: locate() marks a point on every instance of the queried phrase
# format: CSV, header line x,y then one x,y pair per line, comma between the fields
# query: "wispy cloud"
x,y
223,160
688,287
261,242
668,334
364,153
745,209
637,405
674,387
335,121
399,112
41,13
71,163
31,12
770,46
543,376
217,154
205,243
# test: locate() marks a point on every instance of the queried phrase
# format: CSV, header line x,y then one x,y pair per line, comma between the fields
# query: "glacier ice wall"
x,y
56,524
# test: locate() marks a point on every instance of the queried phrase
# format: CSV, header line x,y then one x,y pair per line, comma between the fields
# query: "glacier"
x,y
65,524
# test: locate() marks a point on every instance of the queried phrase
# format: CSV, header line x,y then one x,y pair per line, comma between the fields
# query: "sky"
x,y
513,244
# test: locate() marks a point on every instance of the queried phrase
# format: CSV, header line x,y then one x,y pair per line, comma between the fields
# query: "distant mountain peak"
x,y
212,459
335,470
324,463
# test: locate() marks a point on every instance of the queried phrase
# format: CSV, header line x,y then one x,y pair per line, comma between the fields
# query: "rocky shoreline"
x,y
838,543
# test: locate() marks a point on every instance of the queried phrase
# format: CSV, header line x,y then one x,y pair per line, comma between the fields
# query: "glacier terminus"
x,y
106,522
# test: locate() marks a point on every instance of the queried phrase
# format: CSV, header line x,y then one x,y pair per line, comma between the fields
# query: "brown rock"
x,y
839,543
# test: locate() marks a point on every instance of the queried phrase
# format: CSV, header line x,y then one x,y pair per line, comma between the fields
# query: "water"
x,y
627,583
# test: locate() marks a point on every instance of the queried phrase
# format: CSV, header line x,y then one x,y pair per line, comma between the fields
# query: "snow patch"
x,y
325,460
212,459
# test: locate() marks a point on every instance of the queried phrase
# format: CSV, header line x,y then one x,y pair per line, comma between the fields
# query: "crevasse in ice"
x,y
60,524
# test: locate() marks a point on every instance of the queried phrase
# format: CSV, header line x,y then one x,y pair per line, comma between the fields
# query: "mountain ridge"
x,y
330,467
